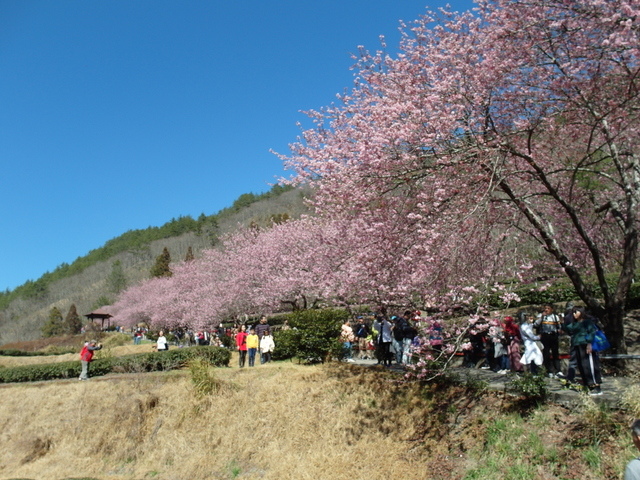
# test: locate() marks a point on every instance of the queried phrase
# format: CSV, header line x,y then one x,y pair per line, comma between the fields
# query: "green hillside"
x,y
88,282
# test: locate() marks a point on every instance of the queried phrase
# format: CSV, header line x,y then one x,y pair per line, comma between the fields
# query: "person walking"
x,y
86,357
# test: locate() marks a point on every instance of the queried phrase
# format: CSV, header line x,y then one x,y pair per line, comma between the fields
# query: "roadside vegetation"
x,y
286,420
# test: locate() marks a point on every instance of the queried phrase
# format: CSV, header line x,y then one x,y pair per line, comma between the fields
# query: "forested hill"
x,y
96,278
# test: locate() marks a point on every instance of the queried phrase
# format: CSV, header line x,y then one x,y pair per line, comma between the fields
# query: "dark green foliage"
x,y
22,353
72,322
531,387
101,302
161,267
286,344
144,362
189,256
116,281
54,325
313,337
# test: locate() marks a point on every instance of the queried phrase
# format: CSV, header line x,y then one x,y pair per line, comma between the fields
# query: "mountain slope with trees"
x,y
95,279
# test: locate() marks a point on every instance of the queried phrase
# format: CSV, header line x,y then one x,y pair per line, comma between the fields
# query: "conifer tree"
x,y
116,281
54,325
161,267
189,256
73,322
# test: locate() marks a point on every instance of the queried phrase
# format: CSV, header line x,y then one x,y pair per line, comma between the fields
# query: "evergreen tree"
x,y
54,325
116,281
161,267
189,256
73,322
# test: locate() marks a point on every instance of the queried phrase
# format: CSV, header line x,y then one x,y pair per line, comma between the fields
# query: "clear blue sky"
x,y
122,114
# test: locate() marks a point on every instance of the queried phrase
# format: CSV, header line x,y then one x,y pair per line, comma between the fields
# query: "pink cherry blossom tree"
x,y
516,123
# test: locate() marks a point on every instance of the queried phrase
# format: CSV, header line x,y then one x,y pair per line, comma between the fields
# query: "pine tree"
x,y
161,267
189,256
54,325
73,322
116,281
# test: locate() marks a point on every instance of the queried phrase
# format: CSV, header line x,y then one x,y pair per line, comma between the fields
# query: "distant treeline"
x,y
131,241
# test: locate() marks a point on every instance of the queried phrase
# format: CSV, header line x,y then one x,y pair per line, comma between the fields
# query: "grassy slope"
x,y
286,421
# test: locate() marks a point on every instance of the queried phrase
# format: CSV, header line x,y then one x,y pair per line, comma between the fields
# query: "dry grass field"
x,y
288,421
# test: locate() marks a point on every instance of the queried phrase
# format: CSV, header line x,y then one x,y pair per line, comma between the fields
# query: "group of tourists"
x,y
534,342
378,336
258,339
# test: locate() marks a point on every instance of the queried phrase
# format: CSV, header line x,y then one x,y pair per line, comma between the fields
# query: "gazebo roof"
x,y
99,313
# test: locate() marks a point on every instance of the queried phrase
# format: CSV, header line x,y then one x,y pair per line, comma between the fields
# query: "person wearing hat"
x,y
86,356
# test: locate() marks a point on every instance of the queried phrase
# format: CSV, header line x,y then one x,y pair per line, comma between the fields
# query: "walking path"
x,y
613,388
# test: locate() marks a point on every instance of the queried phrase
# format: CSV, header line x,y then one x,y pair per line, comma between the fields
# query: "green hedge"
x,y
142,362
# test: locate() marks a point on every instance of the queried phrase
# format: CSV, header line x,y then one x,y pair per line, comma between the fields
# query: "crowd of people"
x,y
530,343
379,336
533,342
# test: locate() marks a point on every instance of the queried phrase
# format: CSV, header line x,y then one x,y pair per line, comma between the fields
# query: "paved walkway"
x,y
613,388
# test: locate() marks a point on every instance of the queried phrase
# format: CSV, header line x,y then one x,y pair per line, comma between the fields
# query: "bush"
x,y
313,337
532,387
143,362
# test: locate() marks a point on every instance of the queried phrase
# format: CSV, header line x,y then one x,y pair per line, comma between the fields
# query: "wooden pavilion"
x,y
101,314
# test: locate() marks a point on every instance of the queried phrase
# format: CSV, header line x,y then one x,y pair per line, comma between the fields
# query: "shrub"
x,y
313,337
143,362
203,378
532,387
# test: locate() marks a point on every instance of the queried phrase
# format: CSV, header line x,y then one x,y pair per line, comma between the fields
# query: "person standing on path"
x,y
583,330
262,326
241,343
253,343
86,357
385,337
549,326
267,345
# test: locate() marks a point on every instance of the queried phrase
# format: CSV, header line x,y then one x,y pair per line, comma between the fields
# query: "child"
x,y
253,342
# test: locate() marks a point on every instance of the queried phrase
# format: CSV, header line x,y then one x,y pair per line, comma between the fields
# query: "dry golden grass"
x,y
275,421
287,421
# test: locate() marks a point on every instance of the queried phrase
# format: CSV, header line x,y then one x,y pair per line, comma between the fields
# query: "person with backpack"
x,y
583,330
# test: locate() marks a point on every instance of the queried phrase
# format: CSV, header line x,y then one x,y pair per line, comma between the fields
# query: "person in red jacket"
x,y
241,342
86,356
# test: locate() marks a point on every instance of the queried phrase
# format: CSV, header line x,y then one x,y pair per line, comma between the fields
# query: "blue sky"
x,y
122,114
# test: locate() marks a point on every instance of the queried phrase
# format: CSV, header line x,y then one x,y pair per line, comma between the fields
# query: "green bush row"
x,y
22,353
142,362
